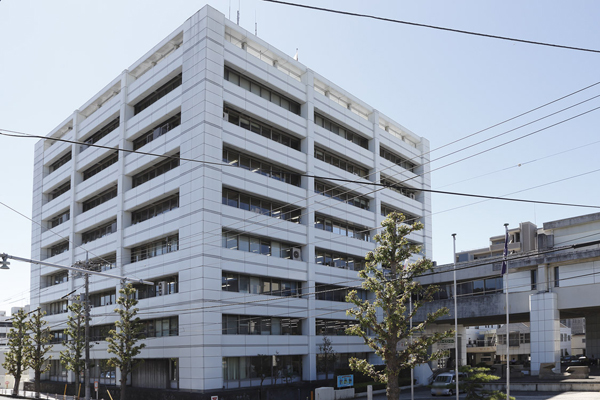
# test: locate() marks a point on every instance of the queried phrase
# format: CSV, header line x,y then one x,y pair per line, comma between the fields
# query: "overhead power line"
x,y
441,28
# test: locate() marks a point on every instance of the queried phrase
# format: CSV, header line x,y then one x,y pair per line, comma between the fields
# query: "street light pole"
x,y
87,330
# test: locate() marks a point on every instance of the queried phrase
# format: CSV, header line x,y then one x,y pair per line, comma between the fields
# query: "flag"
x,y
296,56
505,254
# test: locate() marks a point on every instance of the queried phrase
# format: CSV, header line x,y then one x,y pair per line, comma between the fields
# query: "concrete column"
x,y
545,330
542,277
592,335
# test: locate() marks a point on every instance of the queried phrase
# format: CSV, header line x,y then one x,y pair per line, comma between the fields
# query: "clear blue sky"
x,y
55,55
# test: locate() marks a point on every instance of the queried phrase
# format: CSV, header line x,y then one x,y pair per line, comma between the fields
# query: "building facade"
x,y
556,277
236,216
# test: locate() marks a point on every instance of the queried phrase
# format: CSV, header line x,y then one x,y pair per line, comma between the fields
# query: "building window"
x,y
341,194
100,198
101,371
106,298
160,327
157,131
153,249
55,279
104,263
387,210
59,248
330,158
258,127
336,293
262,91
396,159
255,325
255,165
59,163
156,209
398,188
255,204
157,94
242,368
533,274
58,372
331,126
339,260
342,228
556,277
333,327
101,165
58,337
59,219
104,131
58,307
99,232
64,188
524,338
162,287
260,245
238,283
158,169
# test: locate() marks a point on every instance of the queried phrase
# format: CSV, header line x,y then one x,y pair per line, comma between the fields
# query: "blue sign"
x,y
345,381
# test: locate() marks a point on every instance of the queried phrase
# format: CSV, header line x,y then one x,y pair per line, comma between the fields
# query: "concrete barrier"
x,y
328,393
578,372
344,394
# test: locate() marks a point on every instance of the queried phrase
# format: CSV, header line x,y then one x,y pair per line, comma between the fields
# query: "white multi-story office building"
x,y
236,215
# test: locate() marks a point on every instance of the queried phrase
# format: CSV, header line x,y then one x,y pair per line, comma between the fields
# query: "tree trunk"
x,y
393,390
16,387
37,383
123,385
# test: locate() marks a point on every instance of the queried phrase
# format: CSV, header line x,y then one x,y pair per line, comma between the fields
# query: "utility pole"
x,y
87,330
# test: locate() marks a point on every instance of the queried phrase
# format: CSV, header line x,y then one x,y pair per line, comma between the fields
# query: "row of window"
x,y
59,163
258,245
57,307
239,283
396,159
100,198
59,219
514,339
331,126
341,194
255,325
158,169
251,124
339,260
157,131
158,247
336,293
162,287
336,161
262,91
255,204
157,94
342,228
106,298
55,279
156,209
238,368
64,188
59,248
101,165
235,158
387,210
104,263
102,132
333,327
398,188
99,232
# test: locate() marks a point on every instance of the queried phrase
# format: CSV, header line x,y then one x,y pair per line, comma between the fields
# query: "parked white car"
x,y
444,384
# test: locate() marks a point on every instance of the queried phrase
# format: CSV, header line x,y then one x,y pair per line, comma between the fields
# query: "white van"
x,y
445,384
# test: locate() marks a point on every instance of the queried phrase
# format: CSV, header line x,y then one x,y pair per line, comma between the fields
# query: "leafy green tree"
x,y
472,384
328,355
72,356
122,340
393,286
16,359
40,339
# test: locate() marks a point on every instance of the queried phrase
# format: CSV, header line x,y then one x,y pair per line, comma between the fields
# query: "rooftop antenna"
x,y
255,25
230,10
238,13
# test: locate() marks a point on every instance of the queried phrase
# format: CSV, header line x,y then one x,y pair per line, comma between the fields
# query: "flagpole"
x,y
505,272
455,319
